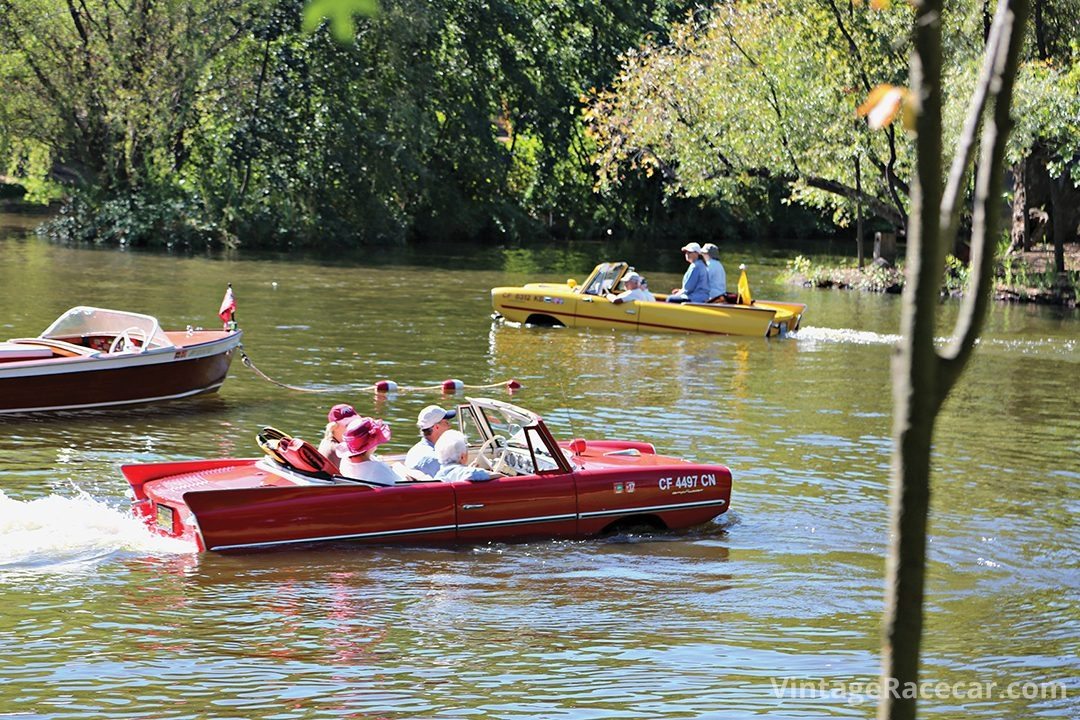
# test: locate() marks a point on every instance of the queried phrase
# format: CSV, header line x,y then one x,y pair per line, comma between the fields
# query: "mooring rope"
x,y
382,386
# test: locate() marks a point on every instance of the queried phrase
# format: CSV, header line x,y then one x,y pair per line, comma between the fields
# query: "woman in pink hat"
x,y
361,437
337,419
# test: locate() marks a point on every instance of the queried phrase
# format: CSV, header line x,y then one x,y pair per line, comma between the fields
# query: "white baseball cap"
x,y
431,415
631,276
691,247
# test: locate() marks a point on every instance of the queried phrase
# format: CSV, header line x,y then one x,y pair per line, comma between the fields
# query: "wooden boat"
x,y
589,305
548,489
93,358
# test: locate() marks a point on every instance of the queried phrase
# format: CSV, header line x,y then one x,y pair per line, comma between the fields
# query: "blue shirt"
x,y
422,457
695,282
457,471
717,278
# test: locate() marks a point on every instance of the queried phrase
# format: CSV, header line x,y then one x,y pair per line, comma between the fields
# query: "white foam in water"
x,y
58,531
844,335
1056,346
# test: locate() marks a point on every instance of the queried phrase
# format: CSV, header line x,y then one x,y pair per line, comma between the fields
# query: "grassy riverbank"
x,y
1020,277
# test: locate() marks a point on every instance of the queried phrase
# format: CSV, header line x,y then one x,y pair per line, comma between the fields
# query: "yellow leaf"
x,y
882,105
880,4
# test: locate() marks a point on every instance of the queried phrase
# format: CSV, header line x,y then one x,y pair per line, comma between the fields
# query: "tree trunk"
x,y
1059,220
858,215
922,378
1018,234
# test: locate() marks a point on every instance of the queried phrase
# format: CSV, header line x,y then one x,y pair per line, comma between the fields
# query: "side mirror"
x,y
572,283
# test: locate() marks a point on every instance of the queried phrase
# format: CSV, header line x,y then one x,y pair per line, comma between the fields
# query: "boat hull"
x,y
237,505
549,304
79,383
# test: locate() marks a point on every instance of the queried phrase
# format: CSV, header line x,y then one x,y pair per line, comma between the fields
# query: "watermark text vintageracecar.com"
x,y
854,692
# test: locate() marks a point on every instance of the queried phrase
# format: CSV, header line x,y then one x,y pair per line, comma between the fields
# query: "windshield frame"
x,y
605,276
482,409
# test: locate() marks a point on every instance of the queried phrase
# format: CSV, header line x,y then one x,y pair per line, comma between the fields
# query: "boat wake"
x,y
843,335
1063,347
57,533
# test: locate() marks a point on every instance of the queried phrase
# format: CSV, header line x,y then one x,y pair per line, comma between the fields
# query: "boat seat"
x,y
11,352
65,349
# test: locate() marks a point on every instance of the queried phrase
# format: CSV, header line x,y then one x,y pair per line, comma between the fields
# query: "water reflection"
x,y
787,584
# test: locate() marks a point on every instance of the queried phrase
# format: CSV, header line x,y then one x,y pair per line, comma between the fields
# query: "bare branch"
x,y
965,146
1010,17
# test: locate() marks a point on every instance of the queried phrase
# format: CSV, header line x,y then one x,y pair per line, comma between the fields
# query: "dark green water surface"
x,y
99,620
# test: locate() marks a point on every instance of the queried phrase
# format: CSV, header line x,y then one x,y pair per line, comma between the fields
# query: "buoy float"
x,y
513,385
452,385
386,386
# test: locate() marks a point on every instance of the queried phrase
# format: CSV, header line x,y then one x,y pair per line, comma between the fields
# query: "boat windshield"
x,y
88,321
604,278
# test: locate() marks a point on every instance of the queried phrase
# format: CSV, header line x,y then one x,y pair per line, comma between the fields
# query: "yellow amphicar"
x,y
590,305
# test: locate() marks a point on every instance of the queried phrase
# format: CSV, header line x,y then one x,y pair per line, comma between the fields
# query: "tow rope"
x,y
383,386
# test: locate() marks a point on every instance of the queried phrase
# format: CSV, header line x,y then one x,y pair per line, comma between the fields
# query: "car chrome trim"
x,y
516,521
678,506
479,525
328,538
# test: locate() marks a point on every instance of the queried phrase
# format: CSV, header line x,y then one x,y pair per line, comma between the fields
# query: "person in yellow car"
x,y
695,285
635,290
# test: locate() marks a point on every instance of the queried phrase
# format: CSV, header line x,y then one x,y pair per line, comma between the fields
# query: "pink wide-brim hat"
x,y
361,435
340,412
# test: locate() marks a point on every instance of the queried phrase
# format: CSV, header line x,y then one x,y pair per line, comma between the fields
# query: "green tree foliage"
x,y
759,89
756,90
108,90
223,119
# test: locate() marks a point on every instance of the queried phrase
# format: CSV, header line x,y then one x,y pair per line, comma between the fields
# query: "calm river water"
x,y
773,610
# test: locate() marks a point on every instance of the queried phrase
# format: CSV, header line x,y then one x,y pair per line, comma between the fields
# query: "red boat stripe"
x,y
545,311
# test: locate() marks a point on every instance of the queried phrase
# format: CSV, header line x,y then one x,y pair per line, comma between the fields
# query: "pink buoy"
x,y
512,385
386,386
451,385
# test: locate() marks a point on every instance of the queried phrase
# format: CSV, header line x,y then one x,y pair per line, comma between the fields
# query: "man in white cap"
x,y
433,421
717,276
695,282
634,290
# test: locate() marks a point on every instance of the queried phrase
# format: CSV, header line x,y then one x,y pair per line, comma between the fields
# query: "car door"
x,y
600,312
594,307
539,502
516,508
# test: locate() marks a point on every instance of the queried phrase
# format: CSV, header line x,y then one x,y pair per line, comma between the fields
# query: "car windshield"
x,y
520,431
604,278
506,422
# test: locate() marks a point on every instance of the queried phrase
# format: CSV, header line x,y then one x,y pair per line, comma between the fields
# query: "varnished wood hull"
x,y
97,382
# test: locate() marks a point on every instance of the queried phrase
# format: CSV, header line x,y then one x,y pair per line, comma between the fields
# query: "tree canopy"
x,y
758,89
224,119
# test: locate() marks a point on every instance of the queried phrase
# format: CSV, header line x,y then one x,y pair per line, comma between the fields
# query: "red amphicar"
x,y
546,489
96,358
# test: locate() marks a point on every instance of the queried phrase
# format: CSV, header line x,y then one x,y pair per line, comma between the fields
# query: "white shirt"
x,y
372,471
422,457
639,293
456,471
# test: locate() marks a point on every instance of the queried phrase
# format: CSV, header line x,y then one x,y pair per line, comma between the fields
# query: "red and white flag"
x,y
228,306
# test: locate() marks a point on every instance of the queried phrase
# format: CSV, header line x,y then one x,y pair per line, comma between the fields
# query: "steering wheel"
x,y
496,443
124,342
